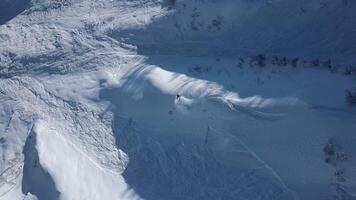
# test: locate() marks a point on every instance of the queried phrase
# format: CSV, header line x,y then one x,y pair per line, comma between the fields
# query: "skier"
x,y
178,97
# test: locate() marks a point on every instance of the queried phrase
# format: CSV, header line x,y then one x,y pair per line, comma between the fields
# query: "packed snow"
x,y
177,99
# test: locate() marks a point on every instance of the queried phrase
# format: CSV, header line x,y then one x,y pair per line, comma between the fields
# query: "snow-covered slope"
x,y
200,99
308,29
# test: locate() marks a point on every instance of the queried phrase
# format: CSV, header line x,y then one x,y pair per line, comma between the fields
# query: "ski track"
x,y
55,62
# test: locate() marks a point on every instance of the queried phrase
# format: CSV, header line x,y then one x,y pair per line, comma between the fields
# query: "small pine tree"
x,y
261,60
349,71
284,61
169,3
350,98
294,62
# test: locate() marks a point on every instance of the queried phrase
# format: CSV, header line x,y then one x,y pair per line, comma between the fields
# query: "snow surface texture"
x,y
177,99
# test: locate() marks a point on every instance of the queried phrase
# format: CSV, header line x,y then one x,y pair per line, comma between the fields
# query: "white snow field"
x,y
177,99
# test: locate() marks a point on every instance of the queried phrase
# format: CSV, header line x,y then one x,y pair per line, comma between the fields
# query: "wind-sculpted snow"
x,y
204,105
36,180
157,100
31,102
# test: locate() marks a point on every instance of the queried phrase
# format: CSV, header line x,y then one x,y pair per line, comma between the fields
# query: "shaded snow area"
x,y
177,99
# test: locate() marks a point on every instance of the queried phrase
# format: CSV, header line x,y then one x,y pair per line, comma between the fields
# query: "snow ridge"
x,y
151,99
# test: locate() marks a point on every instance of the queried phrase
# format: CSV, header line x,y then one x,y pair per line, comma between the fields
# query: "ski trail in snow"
x,y
77,37
175,83
261,161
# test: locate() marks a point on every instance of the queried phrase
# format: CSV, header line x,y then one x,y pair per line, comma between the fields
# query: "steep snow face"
x,y
36,179
70,164
36,107
150,99
207,126
309,29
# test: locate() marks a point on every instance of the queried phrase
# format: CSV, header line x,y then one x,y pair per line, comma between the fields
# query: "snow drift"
x,y
145,99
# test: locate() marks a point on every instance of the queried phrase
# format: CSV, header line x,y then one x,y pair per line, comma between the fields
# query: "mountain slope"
x,y
177,99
